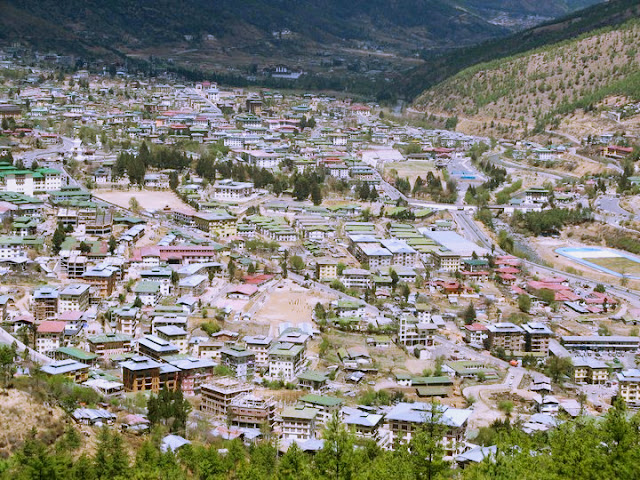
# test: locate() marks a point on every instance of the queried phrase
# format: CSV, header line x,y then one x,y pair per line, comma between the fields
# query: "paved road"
x,y
6,337
610,204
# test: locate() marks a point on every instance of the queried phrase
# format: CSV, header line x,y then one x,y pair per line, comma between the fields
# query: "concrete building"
x,y
74,297
219,393
285,361
506,335
536,337
240,360
298,423
629,386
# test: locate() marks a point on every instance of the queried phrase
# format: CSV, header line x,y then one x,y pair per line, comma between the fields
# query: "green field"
x,y
618,264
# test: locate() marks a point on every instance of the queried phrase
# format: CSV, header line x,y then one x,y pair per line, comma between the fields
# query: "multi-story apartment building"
x,y
402,253
251,411
109,344
103,278
536,337
219,393
629,386
506,335
590,370
178,336
45,303
298,423
74,297
126,319
412,332
325,405
145,374
240,360
260,345
285,361
49,337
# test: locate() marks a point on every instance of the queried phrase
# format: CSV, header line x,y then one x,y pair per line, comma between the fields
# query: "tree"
x,y
524,303
336,458
405,291
169,408
427,451
316,194
319,312
394,279
8,355
294,465
546,295
600,288
558,367
112,244
297,263
84,247
469,314
174,180
301,188
58,238
137,303
134,206
111,459
231,269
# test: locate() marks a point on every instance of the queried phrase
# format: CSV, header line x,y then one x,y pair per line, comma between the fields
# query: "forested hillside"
x,y
532,90
101,26
580,448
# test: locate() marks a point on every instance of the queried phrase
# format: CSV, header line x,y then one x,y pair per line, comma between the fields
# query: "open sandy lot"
x,y
286,302
150,200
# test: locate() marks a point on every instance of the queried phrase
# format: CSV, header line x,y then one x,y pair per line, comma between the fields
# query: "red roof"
x,y
51,326
257,279
476,327
244,289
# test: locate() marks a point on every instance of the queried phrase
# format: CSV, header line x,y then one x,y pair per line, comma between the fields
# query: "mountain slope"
x,y
125,24
532,90
440,67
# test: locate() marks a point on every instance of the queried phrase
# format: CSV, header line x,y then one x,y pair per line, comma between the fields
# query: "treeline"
x,y
159,157
433,188
587,448
550,221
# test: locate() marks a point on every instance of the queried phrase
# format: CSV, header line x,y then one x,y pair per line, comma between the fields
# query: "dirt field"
x,y
148,200
287,302
412,169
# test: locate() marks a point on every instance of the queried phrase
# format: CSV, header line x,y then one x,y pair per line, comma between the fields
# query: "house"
x,y
312,380
242,292
76,354
366,425
75,371
298,423
404,418
49,337
324,404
